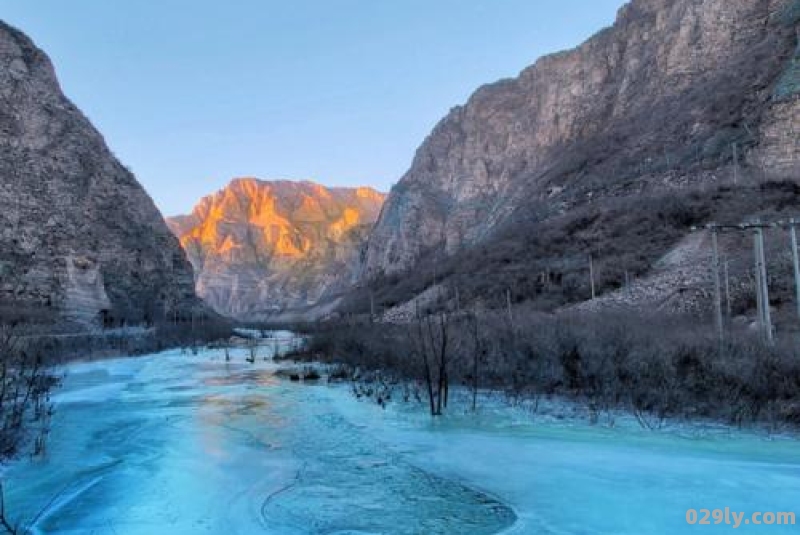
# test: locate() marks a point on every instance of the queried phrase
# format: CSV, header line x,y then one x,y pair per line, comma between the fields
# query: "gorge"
x,y
666,108
538,330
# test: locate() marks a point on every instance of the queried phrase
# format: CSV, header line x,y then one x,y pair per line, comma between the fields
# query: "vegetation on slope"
x,y
544,261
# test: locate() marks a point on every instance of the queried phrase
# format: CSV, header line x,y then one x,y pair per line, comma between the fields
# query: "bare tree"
x,y
252,347
478,353
25,384
432,343
24,381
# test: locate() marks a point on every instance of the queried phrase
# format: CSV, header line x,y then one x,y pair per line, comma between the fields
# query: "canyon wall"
x,y
80,241
663,99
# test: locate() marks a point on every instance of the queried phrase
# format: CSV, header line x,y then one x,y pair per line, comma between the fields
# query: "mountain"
x,y
80,240
263,247
682,112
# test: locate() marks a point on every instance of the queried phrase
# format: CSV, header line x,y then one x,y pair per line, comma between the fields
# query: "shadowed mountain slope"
x,y
684,111
80,239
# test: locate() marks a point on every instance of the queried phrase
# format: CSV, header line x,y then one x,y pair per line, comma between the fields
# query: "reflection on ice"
x,y
172,444
180,445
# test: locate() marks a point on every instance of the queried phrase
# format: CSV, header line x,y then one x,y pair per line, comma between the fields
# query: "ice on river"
x,y
175,445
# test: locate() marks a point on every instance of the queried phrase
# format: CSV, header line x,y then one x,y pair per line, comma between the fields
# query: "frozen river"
x,y
176,445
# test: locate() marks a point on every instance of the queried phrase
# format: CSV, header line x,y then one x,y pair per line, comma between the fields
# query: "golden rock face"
x,y
260,247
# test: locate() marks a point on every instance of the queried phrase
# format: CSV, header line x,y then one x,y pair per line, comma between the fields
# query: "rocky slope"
x,y
80,240
260,248
677,96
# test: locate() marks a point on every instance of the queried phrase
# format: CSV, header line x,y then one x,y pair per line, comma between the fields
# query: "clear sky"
x,y
190,93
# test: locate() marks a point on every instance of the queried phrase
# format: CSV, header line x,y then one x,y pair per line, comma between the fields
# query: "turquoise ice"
x,y
174,444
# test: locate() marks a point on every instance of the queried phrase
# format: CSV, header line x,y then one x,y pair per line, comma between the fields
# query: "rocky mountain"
x,y
264,247
676,99
80,240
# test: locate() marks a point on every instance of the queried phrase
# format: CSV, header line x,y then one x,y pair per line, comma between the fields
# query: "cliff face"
x,y
263,247
79,238
659,100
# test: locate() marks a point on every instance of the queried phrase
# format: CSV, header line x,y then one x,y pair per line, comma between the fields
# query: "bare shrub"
x,y
655,367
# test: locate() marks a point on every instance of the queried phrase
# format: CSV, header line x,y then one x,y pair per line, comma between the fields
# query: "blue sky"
x,y
190,93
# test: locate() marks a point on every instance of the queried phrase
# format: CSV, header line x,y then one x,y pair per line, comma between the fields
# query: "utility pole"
x,y
591,276
796,263
758,288
717,287
728,305
735,164
761,279
18,202
510,313
371,307
765,293
765,315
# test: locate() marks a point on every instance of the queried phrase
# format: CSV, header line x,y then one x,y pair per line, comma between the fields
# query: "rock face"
x,y
658,100
264,247
79,237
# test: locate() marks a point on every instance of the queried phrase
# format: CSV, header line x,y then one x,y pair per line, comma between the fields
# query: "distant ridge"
x,y
264,247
